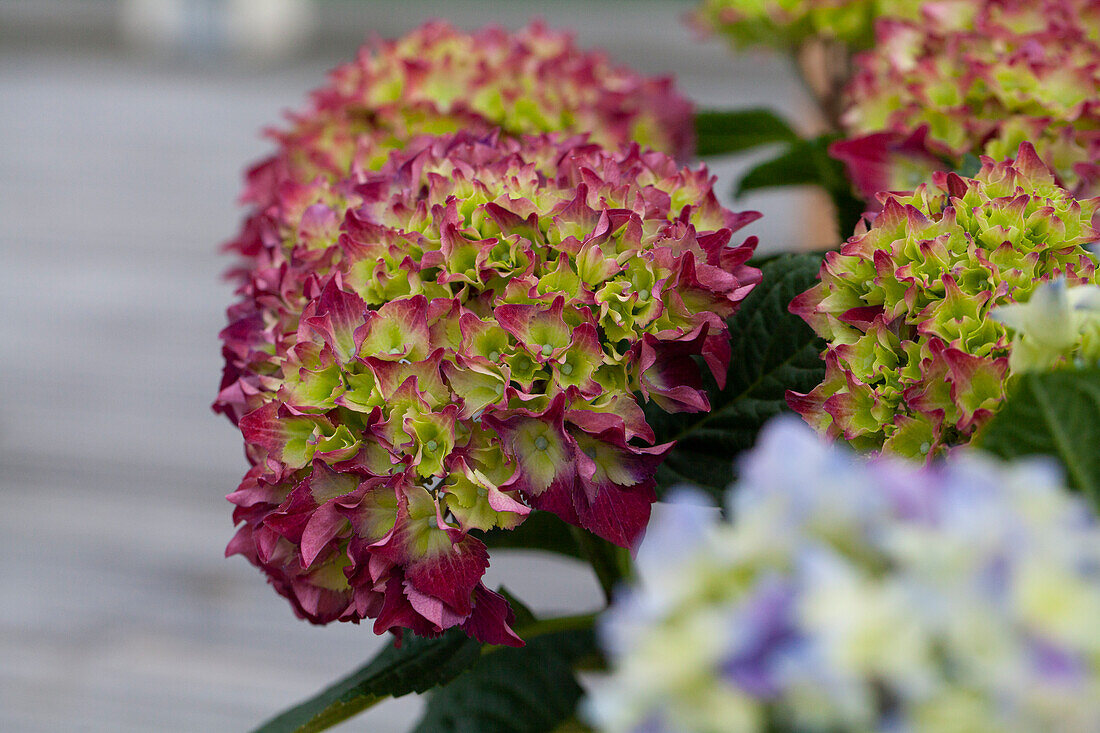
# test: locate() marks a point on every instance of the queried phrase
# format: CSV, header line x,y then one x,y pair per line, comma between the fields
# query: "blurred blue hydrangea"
x,y
856,595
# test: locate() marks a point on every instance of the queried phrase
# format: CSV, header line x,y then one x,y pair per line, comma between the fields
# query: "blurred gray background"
x,y
124,128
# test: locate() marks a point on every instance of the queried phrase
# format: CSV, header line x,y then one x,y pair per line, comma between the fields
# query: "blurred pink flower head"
x,y
1009,71
438,80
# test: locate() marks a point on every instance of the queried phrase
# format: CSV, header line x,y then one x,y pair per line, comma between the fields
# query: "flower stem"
x,y
543,626
558,623
610,562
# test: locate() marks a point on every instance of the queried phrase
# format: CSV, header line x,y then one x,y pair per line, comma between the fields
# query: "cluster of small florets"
x,y
914,362
439,80
790,23
443,345
928,94
862,596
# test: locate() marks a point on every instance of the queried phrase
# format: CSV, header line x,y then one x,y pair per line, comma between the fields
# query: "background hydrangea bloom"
x,y
869,596
441,346
913,361
789,23
1015,70
438,79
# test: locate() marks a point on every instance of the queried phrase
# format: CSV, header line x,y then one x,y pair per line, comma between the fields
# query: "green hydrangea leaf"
x,y
721,132
418,665
1056,414
969,166
531,689
773,351
539,531
808,163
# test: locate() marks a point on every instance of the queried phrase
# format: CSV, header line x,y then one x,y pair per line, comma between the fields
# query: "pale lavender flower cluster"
x,y
859,595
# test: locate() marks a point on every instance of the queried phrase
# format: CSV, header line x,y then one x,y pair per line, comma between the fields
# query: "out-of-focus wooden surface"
x,y
118,177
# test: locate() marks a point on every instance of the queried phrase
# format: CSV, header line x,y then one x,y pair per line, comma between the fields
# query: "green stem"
x,y
610,562
544,626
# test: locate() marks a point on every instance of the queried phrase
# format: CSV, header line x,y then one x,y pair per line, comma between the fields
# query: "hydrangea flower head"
x,y
854,595
437,348
913,361
1017,70
790,23
438,80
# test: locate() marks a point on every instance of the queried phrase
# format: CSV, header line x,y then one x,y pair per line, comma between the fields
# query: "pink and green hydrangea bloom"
x,y
853,595
461,340
914,362
1016,70
788,24
438,80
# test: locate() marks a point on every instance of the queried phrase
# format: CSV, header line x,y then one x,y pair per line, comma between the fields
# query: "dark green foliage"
x,y
969,166
773,351
718,133
527,690
805,163
1056,414
540,531
417,666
